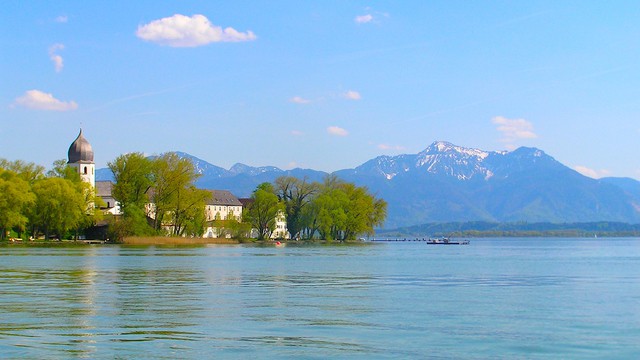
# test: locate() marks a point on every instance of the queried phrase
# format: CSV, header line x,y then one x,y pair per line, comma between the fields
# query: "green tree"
x,y
296,194
174,181
187,213
29,172
59,206
133,178
364,212
133,175
263,210
329,209
342,210
15,197
61,169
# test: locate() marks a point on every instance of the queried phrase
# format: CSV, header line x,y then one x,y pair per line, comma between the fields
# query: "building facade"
x,y
221,207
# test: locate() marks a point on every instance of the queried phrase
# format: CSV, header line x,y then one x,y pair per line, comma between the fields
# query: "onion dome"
x,y
80,150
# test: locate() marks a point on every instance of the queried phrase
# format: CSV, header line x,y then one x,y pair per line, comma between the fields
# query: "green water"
x,y
495,298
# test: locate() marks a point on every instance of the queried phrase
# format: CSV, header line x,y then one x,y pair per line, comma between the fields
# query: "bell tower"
x,y
81,158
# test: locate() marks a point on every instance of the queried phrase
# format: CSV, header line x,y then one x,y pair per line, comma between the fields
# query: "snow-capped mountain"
x,y
445,159
239,168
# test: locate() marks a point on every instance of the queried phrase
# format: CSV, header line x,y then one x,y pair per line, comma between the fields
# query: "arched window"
x,y
85,170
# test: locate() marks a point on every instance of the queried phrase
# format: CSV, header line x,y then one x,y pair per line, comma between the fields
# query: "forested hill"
x,y
450,183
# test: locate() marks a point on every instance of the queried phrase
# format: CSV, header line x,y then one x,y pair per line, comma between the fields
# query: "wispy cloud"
x,y
592,173
299,100
296,133
138,96
337,131
184,31
363,19
352,95
370,16
57,59
513,130
38,100
62,19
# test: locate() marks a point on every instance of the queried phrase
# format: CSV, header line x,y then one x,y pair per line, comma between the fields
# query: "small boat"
x,y
446,241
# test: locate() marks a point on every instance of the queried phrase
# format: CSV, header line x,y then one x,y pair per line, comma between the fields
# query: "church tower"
x,y
81,158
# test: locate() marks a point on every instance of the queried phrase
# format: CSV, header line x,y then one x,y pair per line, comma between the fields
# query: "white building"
x,y
81,159
280,231
224,206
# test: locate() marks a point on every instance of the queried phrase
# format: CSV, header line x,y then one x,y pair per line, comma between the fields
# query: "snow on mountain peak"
x,y
447,147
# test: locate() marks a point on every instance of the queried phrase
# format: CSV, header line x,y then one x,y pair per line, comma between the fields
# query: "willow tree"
x,y
174,193
187,213
28,172
296,195
59,207
15,197
342,210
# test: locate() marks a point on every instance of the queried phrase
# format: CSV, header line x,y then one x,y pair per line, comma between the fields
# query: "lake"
x,y
494,298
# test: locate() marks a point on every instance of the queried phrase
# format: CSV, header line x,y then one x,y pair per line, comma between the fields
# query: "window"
x,y
85,170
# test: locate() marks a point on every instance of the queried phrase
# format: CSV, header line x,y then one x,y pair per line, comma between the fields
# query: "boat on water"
x,y
446,241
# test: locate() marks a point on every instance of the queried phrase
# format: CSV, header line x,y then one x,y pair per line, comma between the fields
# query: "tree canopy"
x,y
264,210
332,210
53,204
161,190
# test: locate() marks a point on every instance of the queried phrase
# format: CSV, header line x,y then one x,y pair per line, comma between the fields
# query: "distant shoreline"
x,y
482,229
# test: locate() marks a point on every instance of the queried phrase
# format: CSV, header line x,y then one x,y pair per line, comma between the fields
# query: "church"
x,y
80,156
221,205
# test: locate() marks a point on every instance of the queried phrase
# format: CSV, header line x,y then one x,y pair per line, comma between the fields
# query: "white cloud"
x,y
61,19
363,19
352,95
296,133
299,100
592,173
337,131
184,31
57,59
513,129
390,147
36,99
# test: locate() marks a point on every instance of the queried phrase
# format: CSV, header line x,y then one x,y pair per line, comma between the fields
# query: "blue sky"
x,y
323,84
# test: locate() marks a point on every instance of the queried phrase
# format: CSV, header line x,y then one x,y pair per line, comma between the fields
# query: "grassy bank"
x,y
164,240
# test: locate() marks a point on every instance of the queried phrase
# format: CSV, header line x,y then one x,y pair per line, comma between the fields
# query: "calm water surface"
x,y
516,298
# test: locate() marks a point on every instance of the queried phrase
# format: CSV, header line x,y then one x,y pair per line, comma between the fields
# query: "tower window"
x,y
85,170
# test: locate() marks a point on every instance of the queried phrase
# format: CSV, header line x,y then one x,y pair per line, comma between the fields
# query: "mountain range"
x,y
447,183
